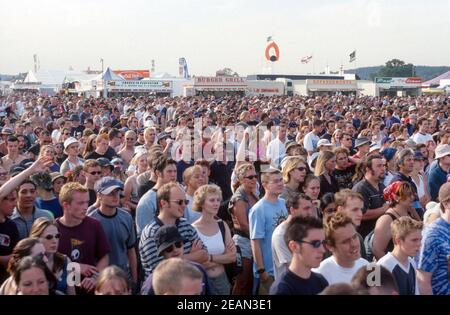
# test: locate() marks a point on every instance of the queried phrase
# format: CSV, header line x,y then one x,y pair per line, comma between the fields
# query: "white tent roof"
x,y
109,75
161,75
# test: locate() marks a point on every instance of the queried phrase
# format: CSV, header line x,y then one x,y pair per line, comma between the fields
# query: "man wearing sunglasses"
x,y
343,242
170,244
92,171
118,225
305,238
172,202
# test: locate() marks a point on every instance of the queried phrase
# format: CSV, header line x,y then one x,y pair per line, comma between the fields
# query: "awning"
x,y
221,89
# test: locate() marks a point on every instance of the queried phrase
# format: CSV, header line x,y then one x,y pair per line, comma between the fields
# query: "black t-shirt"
x,y
94,155
344,177
92,197
291,284
221,176
9,236
326,187
373,199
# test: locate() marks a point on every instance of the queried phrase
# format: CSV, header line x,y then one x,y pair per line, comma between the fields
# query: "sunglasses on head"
x,y
181,202
49,237
170,249
315,243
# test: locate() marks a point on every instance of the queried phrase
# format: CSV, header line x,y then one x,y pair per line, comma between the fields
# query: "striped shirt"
x,y
147,243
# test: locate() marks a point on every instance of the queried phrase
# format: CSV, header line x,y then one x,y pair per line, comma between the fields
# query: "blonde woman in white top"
x,y
207,200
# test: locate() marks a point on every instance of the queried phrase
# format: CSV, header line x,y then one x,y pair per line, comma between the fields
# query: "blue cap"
x,y
388,153
107,184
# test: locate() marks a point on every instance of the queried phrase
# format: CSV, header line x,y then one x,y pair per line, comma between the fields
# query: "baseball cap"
x,y
324,142
418,155
388,153
7,131
374,147
163,135
441,151
107,184
361,141
74,117
70,141
165,237
412,108
103,162
387,139
56,175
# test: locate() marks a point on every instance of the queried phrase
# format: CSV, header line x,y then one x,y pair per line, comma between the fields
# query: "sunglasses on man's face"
x,y
181,202
315,243
170,249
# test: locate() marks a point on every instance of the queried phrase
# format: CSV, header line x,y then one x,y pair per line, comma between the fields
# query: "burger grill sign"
x,y
399,82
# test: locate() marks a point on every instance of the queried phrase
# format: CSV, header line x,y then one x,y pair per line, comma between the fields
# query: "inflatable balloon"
x,y
272,52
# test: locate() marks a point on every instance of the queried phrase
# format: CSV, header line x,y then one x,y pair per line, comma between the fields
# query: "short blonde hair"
x,y
201,193
169,274
403,226
67,190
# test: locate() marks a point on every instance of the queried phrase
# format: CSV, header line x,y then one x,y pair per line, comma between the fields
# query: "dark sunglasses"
x,y
170,249
301,168
251,177
95,173
50,236
315,243
181,202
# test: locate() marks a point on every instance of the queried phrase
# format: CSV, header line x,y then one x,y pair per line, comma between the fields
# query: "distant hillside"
x,y
425,72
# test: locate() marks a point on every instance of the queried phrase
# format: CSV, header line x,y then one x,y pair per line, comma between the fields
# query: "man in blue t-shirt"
x,y
305,238
433,272
264,217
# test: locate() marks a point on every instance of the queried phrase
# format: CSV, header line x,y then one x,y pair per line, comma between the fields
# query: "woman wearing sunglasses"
x,y
221,248
294,173
47,232
243,199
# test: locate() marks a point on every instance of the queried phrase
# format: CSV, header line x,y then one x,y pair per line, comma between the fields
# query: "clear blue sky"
x,y
214,34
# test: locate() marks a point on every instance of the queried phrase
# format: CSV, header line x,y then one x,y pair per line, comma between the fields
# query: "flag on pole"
x,y
306,59
269,39
353,56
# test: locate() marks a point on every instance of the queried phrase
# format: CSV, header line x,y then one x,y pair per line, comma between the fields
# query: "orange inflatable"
x,y
272,57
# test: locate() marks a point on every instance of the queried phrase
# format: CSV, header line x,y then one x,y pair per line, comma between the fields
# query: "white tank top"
x,y
213,243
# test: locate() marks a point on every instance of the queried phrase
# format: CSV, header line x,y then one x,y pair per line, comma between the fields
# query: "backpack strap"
x,y
222,229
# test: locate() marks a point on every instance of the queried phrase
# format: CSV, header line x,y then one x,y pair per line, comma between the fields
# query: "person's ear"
x,y
293,246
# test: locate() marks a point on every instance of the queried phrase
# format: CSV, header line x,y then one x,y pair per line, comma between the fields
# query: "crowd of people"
x,y
224,196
